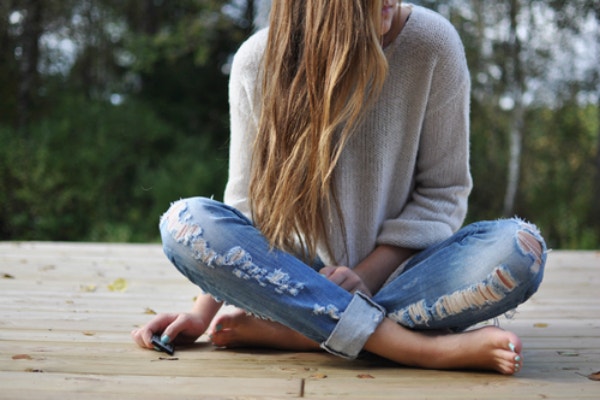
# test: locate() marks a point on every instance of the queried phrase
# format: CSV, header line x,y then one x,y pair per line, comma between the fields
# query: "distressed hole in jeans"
x,y
330,310
243,267
530,244
178,222
509,283
175,222
491,290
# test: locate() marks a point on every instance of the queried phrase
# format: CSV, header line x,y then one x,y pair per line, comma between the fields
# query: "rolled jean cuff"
x,y
356,325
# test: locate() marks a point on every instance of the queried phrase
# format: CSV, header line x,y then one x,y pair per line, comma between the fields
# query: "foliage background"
x,y
110,110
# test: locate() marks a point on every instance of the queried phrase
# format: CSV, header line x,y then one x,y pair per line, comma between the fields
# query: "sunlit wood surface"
x,y
66,311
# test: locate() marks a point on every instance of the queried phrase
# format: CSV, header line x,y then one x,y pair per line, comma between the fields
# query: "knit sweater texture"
x,y
403,178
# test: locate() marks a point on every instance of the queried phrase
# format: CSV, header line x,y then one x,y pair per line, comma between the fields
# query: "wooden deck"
x,y
67,309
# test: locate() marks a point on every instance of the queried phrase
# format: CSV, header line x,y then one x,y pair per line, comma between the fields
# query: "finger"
x,y
338,277
140,336
143,337
175,328
156,326
327,271
137,337
353,286
350,281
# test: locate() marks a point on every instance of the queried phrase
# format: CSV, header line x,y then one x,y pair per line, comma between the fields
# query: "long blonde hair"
x,y
323,66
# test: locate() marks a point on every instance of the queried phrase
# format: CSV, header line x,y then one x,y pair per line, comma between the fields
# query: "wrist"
x,y
205,307
377,267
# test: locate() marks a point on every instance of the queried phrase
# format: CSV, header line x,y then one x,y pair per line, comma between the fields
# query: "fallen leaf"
x,y
540,325
149,311
365,376
87,288
33,370
594,376
288,369
22,357
88,333
166,359
118,285
318,376
568,353
7,276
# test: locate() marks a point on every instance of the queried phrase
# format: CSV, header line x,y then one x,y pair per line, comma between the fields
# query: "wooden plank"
x,y
15,385
458,387
78,339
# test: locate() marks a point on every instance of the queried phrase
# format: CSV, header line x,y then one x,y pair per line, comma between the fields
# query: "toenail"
x,y
511,346
219,327
518,358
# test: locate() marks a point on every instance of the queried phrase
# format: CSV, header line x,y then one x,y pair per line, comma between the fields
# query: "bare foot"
x,y
238,329
488,348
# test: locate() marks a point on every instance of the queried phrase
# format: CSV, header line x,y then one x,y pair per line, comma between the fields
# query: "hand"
x,y
184,328
345,278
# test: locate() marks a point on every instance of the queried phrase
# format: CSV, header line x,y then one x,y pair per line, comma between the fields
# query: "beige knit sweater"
x,y
403,178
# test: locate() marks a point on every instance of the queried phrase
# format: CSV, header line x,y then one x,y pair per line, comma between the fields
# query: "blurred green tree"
x,y
125,108
110,109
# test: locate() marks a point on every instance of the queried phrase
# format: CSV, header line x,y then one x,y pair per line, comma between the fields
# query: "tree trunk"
x,y
30,50
261,18
250,15
516,84
150,20
514,162
595,200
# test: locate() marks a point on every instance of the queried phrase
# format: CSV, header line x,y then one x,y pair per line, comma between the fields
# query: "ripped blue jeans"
x,y
482,271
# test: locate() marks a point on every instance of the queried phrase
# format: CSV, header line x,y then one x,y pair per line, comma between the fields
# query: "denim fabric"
x,y
482,271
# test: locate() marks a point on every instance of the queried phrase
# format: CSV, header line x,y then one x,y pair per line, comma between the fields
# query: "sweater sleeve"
x,y
442,181
244,114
